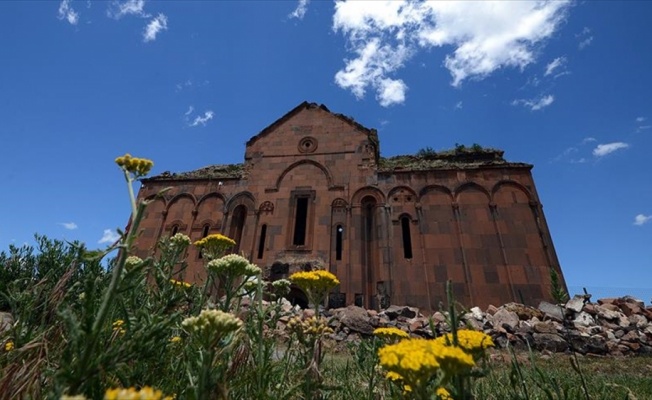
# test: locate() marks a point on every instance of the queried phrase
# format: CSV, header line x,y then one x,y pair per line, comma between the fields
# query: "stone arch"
x,y
179,197
435,188
209,196
363,192
327,174
412,195
244,198
180,208
470,186
297,297
510,183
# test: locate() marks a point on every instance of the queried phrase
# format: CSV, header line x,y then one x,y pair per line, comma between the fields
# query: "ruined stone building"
x,y
313,192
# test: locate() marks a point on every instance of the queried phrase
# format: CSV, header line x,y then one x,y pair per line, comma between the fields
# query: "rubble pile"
x,y
615,326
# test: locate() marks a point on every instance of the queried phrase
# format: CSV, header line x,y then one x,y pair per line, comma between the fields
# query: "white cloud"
x,y
203,120
190,110
69,225
603,149
459,105
67,12
641,219
588,140
118,10
535,104
640,119
555,64
301,9
642,128
156,25
109,236
485,36
585,38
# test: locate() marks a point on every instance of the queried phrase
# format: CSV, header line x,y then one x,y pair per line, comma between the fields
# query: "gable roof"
x,y
372,133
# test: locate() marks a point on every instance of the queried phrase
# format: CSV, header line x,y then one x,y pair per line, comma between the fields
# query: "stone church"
x,y
314,192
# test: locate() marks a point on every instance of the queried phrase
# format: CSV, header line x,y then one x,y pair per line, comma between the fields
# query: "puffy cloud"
x,y
156,25
588,140
301,9
640,119
109,236
641,219
554,64
68,13
69,225
603,149
485,36
535,104
118,10
202,120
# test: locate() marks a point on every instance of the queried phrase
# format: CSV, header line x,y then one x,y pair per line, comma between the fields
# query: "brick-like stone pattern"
x,y
483,227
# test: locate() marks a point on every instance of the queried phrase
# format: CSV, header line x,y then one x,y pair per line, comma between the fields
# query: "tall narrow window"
x,y
237,226
338,242
407,239
261,242
204,233
175,230
300,221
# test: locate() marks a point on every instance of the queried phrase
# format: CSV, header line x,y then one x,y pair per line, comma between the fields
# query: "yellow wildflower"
x,y
443,394
9,346
175,339
213,246
417,360
78,397
180,284
137,166
145,393
391,334
472,342
117,326
319,280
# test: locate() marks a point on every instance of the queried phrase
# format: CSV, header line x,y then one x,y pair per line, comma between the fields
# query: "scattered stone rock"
x,y
356,319
552,311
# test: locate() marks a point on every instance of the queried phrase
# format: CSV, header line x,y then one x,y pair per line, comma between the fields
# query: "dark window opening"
x,y
407,239
300,221
338,242
237,226
204,233
175,230
261,242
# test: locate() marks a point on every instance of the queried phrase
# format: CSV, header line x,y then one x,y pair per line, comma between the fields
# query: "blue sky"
x,y
563,85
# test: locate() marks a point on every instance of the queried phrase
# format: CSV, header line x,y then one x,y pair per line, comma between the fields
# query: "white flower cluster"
x,y
212,321
233,265
180,240
132,262
281,287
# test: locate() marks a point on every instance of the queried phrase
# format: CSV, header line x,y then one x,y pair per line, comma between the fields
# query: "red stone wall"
x,y
481,228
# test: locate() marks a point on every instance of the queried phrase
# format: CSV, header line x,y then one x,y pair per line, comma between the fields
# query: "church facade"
x,y
313,192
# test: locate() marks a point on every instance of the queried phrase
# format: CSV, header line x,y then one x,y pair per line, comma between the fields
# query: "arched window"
x,y
237,225
339,232
407,239
261,241
174,230
204,233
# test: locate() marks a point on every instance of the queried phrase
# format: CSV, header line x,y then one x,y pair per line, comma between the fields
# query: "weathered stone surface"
x,y
549,341
505,319
576,303
552,311
477,313
6,321
356,319
584,319
524,312
394,312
